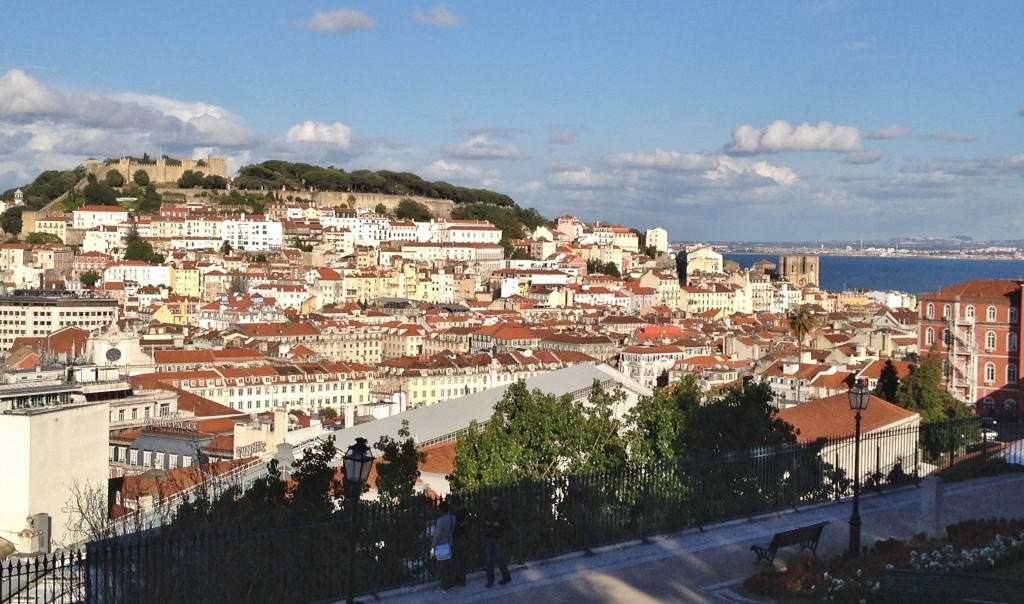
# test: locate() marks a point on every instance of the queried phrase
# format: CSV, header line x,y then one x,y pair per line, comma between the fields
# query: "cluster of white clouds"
x,y
344,20
45,128
781,136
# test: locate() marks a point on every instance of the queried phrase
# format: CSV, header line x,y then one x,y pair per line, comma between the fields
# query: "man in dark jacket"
x,y
496,524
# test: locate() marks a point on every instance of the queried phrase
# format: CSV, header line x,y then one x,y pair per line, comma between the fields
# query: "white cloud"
x,y
448,171
780,174
951,137
781,136
336,134
481,147
583,178
664,160
338,21
562,137
893,131
22,95
440,16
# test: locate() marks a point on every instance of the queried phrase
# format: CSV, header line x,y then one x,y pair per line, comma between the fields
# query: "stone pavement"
x,y
695,566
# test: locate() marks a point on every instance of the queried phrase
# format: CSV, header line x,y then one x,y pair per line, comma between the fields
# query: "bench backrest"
x,y
797,535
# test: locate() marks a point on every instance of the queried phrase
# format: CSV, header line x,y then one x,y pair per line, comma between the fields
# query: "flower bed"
x,y
970,546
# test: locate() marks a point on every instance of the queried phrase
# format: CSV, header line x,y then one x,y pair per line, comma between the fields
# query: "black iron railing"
x,y
303,561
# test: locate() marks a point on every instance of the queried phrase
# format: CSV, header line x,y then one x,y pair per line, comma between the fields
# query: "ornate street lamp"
x,y
859,396
358,461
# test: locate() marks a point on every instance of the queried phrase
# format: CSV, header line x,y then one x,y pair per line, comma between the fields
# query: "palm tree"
x,y
801,322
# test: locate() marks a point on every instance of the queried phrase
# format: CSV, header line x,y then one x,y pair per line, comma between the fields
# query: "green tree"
x,y
141,178
316,484
413,210
888,382
225,248
190,179
89,278
114,178
537,436
656,422
10,220
381,209
215,182
327,412
398,466
100,193
800,322
42,239
921,391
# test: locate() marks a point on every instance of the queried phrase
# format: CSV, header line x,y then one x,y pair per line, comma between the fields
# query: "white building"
x,y
47,451
89,217
139,272
657,238
253,233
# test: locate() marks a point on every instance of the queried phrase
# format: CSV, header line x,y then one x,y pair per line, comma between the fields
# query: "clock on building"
x,y
113,354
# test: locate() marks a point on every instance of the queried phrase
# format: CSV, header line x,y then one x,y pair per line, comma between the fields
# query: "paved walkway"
x,y
695,566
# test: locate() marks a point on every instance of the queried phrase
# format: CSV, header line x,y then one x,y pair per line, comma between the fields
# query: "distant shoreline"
x,y
894,256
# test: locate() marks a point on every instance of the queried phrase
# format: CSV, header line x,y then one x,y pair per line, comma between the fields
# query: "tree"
x,y
328,413
190,179
537,436
140,249
100,193
315,483
114,178
225,248
381,209
10,220
398,466
921,391
215,182
141,178
801,322
888,382
42,239
413,210
89,278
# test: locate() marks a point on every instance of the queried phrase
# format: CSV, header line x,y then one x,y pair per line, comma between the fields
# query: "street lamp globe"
x,y
859,395
358,461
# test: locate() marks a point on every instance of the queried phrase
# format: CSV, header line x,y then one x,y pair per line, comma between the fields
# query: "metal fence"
x,y
304,561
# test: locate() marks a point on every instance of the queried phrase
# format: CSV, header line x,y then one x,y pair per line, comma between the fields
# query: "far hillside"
x,y
266,180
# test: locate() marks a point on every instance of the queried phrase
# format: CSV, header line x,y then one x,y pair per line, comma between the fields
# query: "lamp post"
x,y
358,461
859,396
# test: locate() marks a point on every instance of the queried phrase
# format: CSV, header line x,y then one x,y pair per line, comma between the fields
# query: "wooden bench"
x,y
806,537
909,587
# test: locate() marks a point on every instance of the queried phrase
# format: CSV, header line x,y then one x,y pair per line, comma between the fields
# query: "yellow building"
x,y
56,226
186,280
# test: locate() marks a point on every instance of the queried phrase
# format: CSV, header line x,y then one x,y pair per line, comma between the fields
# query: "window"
x,y
147,458
1014,315
990,373
929,336
1010,405
990,341
990,403
947,340
991,314
969,311
930,311
1011,374
946,311
133,457
1012,341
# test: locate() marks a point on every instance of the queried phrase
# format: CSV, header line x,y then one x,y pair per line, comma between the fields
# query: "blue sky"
x,y
813,120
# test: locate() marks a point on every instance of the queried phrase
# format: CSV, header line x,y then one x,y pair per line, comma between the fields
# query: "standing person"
x,y
442,545
460,540
495,525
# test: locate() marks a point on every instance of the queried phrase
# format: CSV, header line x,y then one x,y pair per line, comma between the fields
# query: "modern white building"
x,y
253,233
36,313
52,443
